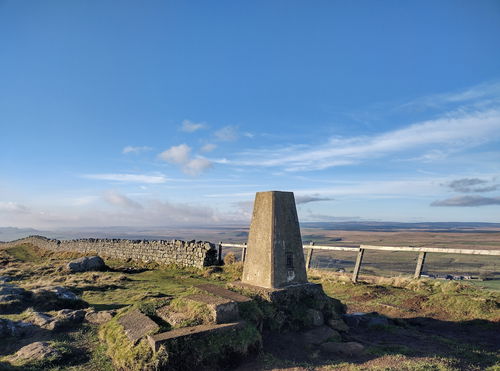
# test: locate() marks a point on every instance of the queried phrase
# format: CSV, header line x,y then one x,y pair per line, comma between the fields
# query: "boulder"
x,y
346,349
320,334
38,351
86,264
65,318
56,297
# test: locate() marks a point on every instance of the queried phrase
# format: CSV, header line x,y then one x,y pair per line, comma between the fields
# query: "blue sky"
x,y
159,113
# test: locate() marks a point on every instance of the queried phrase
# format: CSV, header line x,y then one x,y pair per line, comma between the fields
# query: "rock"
x,y
347,349
10,292
99,317
86,264
66,318
56,297
38,351
14,328
338,325
320,335
40,319
4,279
57,291
315,317
172,317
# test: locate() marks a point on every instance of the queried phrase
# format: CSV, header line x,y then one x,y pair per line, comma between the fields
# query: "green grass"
x,y
26,253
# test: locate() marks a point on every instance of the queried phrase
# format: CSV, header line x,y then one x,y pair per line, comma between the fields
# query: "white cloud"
x,y
190,127
132,149
13,207
459,131
132,178
209,147
176,154
196,166
117,199
227,134
180,155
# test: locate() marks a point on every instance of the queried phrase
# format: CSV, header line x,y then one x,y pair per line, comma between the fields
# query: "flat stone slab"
x,y
191,332
222,310
174,318
277,294
223,293
137,325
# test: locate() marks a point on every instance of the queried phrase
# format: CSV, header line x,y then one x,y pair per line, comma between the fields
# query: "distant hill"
x,y
450,227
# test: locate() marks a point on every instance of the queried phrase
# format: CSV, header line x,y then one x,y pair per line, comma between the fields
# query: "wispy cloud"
x,y
13,207
190,126
181,155
117,199
138,149
468,201
128,178
304,199
454,131
482,94
227,134
472,185
209,147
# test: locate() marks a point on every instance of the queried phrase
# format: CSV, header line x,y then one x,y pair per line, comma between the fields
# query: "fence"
x,y
422,253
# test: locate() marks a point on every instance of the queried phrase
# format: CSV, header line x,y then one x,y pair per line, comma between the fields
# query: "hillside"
x,y
427,325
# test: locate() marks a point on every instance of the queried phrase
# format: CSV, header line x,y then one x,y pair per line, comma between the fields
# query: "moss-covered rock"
x,y
124,354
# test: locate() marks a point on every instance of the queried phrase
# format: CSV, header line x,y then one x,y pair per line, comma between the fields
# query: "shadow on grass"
x,y
416,343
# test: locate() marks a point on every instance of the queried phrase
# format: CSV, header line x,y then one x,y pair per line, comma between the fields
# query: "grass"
x,y
402,297
453,304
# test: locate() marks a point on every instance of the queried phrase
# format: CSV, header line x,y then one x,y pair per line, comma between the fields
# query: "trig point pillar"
x,y
275,257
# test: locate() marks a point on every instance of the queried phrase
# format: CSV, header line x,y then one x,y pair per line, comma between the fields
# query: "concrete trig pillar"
x,y
274,256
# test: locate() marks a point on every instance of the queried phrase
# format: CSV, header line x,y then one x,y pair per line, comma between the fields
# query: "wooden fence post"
x,y
357,267
420,264
220,253
309,256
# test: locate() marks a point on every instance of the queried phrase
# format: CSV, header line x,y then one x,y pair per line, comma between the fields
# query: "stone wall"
x,y
192,253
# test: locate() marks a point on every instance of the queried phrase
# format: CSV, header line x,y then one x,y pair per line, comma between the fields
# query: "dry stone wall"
x,y
184,253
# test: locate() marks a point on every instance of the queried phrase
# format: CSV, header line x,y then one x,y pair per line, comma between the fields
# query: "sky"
x,y
164,113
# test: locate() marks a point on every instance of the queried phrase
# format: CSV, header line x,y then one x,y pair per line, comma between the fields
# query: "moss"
x,y
123,353
197,313
214,351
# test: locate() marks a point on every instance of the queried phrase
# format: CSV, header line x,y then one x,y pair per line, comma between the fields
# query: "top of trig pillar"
x,y
274,256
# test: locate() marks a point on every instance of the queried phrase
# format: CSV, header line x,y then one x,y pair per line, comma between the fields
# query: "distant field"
x,y
403,263
442,235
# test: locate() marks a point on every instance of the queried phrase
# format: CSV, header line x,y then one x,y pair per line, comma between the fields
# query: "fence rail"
x,y
422,253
